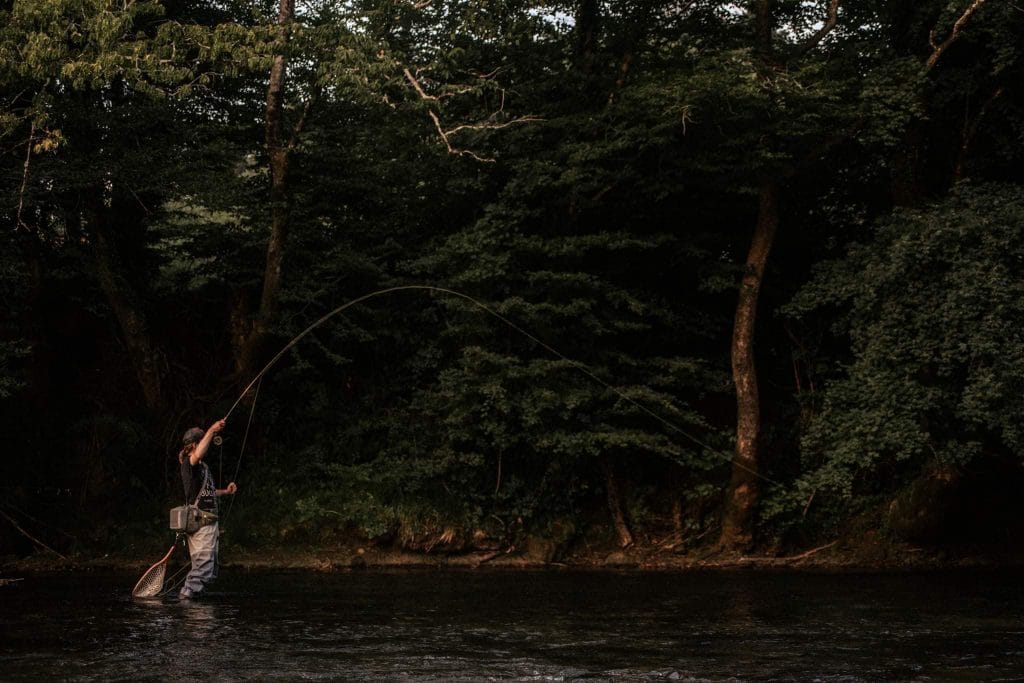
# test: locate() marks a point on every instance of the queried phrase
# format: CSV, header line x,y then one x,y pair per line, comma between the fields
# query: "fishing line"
x,y
219,442
579,366
175,581
241,451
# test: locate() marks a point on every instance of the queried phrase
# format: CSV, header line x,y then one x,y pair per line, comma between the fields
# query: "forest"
x,y
744,276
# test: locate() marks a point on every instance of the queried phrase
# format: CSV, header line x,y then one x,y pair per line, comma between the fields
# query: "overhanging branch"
x,y
445,134
937,47
830,23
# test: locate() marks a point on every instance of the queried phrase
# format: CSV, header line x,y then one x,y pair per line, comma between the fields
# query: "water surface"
x,y
523,625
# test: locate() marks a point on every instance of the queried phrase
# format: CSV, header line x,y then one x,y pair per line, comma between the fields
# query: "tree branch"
x,y
492,126
627,61
24,175
827,27
789,558
28,162
970,131
300,125
29,536
416,84
445,135
937,47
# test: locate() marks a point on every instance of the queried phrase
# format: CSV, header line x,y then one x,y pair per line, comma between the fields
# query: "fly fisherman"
x,y
200,491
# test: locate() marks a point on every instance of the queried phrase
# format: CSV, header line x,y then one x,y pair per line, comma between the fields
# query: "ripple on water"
x,y
559,626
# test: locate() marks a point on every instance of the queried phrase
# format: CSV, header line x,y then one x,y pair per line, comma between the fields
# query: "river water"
x,y
521,625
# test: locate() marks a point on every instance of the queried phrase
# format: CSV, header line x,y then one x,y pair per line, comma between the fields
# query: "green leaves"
x,y
933,306
609,224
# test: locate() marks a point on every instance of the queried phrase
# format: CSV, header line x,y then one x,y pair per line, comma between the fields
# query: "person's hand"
x,y
231,488
217,426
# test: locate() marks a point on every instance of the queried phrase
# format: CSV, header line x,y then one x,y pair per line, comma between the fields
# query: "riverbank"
x,y
864,555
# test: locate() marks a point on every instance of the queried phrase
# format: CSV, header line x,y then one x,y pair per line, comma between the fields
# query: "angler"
x,y
202,493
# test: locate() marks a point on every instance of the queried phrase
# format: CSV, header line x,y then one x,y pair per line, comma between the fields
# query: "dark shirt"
x,y
199,484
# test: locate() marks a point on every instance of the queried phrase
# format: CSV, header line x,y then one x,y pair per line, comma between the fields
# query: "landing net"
x,y
151,584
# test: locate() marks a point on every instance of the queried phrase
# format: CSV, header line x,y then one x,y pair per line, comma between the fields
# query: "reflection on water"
x,y
469,626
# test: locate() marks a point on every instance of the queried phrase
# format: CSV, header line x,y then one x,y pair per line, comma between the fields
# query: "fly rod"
x,y
443,290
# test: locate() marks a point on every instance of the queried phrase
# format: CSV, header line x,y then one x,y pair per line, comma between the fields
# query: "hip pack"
x,y
190,519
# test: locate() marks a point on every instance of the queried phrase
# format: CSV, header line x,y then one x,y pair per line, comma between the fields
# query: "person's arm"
x,y
231,488
204,444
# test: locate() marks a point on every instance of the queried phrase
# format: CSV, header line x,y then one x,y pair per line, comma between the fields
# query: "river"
x,y
521,625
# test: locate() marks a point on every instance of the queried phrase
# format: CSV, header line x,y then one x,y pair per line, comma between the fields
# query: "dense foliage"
x,y
188,185
932,308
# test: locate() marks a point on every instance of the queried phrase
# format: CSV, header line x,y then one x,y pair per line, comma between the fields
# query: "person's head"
x,y
189,441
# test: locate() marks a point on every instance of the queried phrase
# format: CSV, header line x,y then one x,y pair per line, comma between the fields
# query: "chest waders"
x,y
188,520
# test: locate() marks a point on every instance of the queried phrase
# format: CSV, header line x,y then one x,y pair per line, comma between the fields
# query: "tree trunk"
x,y
743,494
907,180
249,343
742,497
615,504
588,18
764,28
146,361
970,132
677,521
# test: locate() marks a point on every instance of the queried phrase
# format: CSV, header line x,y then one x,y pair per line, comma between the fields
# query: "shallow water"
x,y
523,625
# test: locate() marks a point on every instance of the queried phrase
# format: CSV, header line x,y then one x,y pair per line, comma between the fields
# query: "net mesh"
x,y
152,582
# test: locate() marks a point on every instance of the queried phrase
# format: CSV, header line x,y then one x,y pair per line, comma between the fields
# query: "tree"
x,y
958,110
69,82
636,185
279,145
776,86
930,306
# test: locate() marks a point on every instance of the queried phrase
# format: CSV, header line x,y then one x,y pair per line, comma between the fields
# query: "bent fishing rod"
x,y
577,365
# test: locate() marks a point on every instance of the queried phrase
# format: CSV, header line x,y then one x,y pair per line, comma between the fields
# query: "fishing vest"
x,y
206,497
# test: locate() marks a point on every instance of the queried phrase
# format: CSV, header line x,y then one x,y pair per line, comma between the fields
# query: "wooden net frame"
x,y
152,582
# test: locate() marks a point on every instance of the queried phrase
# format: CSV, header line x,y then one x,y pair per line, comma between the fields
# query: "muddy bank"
x,y
864,554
